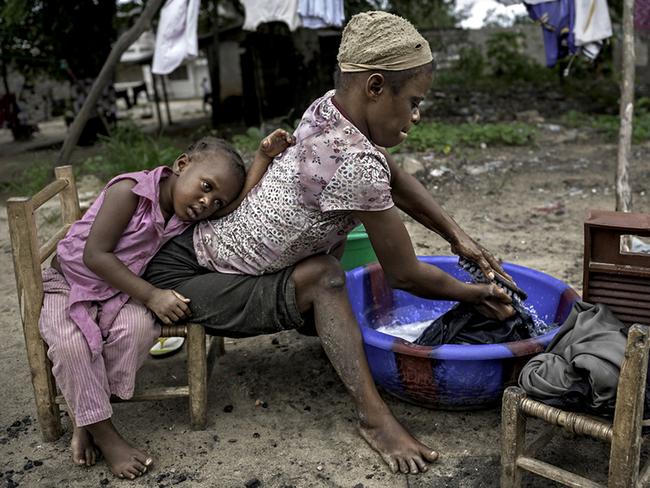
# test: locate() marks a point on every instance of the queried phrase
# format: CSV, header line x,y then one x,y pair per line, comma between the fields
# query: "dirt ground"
x,y
526,204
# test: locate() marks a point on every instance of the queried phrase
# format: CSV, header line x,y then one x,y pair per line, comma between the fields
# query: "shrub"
x,y
129,149
445,137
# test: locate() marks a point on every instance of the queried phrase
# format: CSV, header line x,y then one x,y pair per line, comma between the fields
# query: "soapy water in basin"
x,y
412,330
449,376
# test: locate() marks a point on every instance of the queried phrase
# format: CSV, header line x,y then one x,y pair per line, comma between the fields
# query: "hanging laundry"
x,y
557,18
592,21
318,14
261,11
592,26
177,36
642,15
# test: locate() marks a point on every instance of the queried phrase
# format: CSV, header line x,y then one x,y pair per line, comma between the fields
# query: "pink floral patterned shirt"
x,y
303,205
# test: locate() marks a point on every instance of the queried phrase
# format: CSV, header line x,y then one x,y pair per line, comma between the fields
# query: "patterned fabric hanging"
x,y
642,14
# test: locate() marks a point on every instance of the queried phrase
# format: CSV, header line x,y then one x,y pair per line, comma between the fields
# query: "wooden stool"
x,y
621,280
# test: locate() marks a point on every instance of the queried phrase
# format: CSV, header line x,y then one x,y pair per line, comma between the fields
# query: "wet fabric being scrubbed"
x,y
463,325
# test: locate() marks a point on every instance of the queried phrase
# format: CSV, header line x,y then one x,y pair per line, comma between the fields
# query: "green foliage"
x,y
32,179
507,61
248,142
471,63
129,149
63,38
608,125
504,64
444,138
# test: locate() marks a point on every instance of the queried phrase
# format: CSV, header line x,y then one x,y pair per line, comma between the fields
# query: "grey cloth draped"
x,y
580,367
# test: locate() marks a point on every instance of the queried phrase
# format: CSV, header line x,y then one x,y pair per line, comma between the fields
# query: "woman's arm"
x,y
394,249
415,200
114,215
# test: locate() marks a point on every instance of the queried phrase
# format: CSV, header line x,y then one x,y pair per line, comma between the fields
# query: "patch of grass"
x,y
31,180
129,149
608,125
446,137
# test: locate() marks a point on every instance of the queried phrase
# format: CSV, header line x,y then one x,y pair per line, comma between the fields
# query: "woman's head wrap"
x,y
381,41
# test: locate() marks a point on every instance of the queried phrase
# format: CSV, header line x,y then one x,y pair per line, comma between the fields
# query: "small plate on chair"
x,y
166,346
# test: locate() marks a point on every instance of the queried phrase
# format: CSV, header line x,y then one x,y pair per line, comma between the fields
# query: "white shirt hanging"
x,y
177,36
261,11
592,21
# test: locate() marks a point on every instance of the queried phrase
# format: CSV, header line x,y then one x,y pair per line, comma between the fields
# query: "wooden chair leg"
x,y
513,431
626,440
215,349
47,410
197,376
219,345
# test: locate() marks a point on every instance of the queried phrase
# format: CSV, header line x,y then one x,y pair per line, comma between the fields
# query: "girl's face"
x,y
390,115
202,187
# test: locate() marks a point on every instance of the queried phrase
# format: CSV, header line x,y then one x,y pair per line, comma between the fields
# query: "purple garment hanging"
x,y
557,19
642,14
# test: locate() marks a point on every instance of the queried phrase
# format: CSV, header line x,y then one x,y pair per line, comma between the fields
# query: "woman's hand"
x,y
168,305
276,142
492,302
467,247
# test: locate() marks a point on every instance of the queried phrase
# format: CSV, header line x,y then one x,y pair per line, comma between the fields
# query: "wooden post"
x,y
197,376
157,102
626,440
164,88
70,210
623,192
27,266
513,431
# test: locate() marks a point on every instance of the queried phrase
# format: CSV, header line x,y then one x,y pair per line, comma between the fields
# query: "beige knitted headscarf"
x,y
381,41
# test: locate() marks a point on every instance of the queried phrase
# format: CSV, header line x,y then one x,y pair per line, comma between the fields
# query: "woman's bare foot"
x,y
84,451
399,449
124,460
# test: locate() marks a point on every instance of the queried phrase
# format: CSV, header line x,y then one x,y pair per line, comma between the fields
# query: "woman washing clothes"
x,y
272,264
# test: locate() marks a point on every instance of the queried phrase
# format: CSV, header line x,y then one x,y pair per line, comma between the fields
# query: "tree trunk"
x,y
104,77
623,192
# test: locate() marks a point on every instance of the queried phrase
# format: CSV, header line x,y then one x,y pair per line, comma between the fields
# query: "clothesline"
x,y
177,39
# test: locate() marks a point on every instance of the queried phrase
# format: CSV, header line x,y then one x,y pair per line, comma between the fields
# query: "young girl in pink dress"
x,y
99,315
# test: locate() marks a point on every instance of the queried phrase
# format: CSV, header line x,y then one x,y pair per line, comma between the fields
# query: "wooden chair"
x,y
621,280
28,257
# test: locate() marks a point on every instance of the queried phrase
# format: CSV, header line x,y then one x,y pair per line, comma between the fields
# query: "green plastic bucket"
x,y
358,250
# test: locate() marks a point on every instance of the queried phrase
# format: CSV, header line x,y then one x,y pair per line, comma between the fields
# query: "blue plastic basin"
x,y
450,376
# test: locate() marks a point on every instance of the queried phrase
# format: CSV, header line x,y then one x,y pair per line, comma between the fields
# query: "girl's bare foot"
x,y
84,451
399,449
124,460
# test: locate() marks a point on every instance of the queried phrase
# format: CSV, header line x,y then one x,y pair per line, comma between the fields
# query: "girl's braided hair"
x,y
214,145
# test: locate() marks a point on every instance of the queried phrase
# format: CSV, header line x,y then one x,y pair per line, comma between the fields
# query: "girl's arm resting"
x,y
404,271
116,211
